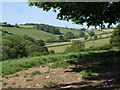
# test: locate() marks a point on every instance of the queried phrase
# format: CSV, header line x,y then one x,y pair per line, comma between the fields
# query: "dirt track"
x,y
64,78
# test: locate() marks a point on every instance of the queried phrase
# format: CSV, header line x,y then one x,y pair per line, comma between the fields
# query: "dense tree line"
x,y
48,28
15,46
6,24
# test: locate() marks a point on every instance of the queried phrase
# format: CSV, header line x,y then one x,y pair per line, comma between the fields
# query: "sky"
x,y
20,12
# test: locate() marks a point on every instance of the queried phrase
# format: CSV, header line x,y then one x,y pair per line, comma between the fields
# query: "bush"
x,y
104,47
51,52
81,34
115,38
69,35
49,84
76,46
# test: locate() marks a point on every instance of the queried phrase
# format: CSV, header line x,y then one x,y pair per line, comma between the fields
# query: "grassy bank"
x,y
13,66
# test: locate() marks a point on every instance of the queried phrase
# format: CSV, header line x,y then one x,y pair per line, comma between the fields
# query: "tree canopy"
x,y
93,13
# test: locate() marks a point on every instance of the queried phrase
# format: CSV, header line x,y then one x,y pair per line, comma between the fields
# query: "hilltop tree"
x,y
93,13
16,25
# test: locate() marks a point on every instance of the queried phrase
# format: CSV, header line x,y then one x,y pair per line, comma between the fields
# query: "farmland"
x,y
59,47
36,34
59,67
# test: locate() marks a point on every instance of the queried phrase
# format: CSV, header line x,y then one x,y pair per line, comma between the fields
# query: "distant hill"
x,y
34,33
39,34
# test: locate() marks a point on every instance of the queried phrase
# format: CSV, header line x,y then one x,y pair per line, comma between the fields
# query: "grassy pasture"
x,y
64,30
38,34
34,33
60,47
26,26
97,43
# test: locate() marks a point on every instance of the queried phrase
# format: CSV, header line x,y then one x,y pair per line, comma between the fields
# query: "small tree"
x,y
76,46
16,25
91,33
95,36
61,38
69,35
40,42
81,34
85,37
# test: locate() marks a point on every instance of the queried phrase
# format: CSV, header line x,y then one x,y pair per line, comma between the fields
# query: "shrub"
x,y
51,52
76,46
115,38
69,35
49,84
59,64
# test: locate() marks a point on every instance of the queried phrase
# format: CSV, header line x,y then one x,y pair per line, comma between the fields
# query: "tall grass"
x,y
59,60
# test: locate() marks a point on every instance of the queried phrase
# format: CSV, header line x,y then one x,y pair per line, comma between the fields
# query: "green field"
x,y
64,30
60,48
38,34
26,26
34,33
97,43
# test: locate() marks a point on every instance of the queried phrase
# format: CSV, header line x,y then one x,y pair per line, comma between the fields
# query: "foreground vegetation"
x,y
60,60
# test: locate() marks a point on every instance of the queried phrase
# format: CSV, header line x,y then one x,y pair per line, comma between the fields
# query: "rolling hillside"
x,y
59,47
34,33
39,34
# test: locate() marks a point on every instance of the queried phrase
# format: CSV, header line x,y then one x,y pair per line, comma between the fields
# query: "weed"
x,y
85,73
30,79
59,64
13,83
4,83
49,84
9,88
27,76
36,73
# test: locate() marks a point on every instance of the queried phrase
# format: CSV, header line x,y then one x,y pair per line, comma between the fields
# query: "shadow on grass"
x,y
103,66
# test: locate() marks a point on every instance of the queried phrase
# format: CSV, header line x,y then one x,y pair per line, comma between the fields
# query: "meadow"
x,y
34,33
60,47
38,34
